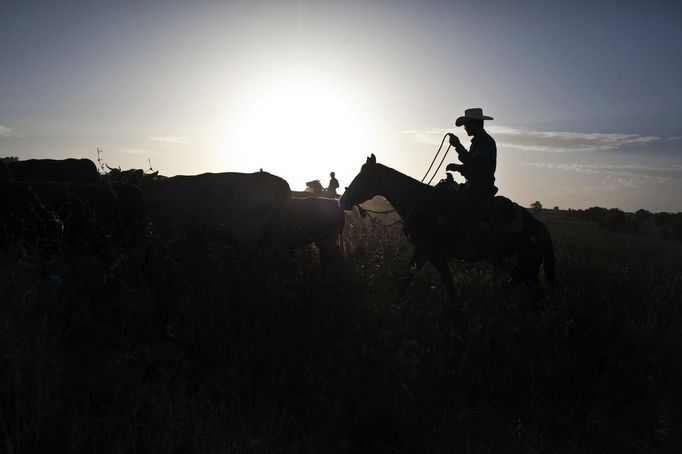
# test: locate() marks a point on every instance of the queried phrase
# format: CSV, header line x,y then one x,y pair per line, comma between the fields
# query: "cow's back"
x,y
240,206
54,170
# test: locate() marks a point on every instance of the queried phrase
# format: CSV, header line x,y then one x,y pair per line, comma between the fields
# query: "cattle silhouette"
x,y
316,220
235,207
53,170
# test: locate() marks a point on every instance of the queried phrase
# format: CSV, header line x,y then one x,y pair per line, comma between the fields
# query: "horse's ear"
x,y
372,159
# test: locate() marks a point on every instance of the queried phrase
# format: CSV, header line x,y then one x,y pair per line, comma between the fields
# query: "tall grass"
x,y
197,347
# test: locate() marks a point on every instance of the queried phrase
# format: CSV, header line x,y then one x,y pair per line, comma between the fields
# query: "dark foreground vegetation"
x,y
198,347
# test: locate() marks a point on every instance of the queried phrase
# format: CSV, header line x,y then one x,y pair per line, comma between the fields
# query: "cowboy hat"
x,y
472,114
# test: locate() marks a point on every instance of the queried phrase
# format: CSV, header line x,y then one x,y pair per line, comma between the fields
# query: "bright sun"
x,y
299,130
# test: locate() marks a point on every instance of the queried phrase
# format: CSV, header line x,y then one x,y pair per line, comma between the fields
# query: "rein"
x,y
364,211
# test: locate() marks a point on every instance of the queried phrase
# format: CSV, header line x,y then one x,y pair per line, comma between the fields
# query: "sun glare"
x,y
300,130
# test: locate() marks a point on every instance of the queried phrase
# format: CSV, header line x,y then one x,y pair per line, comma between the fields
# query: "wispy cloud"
x,y
134,151
562,142
660,174
170,139
544,141
6,132
429,136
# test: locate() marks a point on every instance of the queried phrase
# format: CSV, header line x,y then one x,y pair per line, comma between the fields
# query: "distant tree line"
x,y
667,225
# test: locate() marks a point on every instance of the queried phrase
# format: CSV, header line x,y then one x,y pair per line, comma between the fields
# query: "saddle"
x,y
500,214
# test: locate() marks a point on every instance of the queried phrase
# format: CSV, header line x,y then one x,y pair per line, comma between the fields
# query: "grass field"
x,y
196,347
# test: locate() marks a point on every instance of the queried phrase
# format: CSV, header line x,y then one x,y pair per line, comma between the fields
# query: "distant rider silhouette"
x,y
333,185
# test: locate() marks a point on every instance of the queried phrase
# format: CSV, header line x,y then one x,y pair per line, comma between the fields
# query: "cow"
x,y
315,220
302,194
235,207
76,210
23,215
130,176
53,170
91,210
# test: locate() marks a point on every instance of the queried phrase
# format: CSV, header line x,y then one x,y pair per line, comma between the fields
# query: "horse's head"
x,y
363,187
315,185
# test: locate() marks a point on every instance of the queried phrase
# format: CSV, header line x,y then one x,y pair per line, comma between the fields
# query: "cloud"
x,y
623,172
6,132
134,151
563,142
170,139
544,141
429,136
614,185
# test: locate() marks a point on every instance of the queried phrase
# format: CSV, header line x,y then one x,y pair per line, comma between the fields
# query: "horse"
x,y
319,191
524,251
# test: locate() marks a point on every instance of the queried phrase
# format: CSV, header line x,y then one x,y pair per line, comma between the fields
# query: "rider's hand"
x,y
453,167
454,140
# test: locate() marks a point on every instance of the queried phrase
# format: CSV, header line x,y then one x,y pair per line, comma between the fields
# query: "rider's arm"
x,y
454,142
476,159
464,169
465,156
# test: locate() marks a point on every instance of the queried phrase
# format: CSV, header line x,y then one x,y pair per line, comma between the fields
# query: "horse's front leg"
x,y
415,263
441,265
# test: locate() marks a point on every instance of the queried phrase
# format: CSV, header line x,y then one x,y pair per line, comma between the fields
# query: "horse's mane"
x,y
400,175
402,191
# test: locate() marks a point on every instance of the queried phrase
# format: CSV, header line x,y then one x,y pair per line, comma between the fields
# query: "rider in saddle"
x,y
333,185
478,168
478,163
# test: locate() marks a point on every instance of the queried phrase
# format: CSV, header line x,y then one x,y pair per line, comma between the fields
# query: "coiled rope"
x,y
434,160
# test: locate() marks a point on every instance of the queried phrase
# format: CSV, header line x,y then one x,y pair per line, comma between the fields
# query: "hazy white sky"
x,y
586,98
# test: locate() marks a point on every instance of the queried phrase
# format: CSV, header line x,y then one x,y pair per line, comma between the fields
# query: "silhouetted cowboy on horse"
x,y
479,162
445,221
474,198
522,250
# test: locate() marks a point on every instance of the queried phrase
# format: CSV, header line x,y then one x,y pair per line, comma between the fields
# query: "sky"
x,y
585,96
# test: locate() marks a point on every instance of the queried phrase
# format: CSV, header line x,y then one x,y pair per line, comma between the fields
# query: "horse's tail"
x,y
548,263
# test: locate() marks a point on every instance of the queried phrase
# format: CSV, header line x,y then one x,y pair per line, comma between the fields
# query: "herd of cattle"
x,y
69,199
